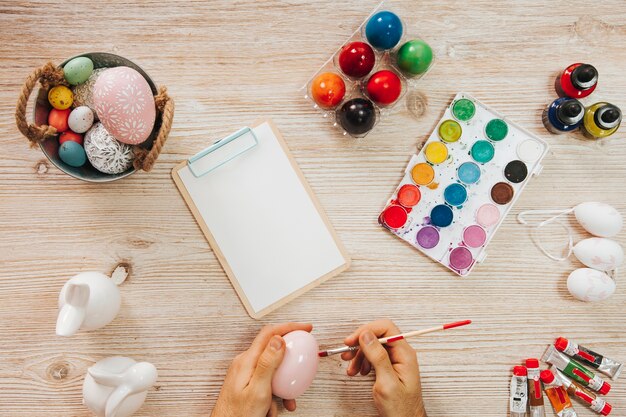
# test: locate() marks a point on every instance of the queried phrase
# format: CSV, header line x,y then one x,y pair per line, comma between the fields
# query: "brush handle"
x,y
391,339
383,340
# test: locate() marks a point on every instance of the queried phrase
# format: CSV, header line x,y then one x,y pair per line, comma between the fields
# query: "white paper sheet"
x,y
264,222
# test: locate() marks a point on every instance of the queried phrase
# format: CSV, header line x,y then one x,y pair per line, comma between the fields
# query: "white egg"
x,y
599,219
599,253
588,284
81,119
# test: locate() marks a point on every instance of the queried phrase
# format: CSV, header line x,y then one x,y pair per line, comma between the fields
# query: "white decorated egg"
x,y
599,219
599,253
299,366
125,104
105,153
588,284
81,119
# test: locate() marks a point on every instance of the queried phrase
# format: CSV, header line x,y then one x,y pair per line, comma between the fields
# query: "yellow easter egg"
x,y
60,97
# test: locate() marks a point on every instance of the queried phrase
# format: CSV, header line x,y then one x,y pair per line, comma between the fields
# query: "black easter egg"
x,y
357,116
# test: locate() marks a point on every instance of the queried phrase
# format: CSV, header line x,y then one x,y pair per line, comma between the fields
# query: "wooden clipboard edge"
x,y
222,259
209,236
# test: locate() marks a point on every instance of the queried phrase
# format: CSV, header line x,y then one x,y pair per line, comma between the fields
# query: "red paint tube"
x,y
576,371
576,390
535,394
603,364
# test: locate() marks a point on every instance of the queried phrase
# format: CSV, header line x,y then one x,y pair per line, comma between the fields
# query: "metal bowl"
x,y
50,147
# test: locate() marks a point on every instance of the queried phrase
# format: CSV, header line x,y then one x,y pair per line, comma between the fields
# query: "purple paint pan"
x,y
427,237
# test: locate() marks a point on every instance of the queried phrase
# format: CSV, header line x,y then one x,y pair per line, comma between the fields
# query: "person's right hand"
x,y
397,390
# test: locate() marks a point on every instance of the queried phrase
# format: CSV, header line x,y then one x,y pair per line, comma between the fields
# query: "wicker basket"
x,y
46,136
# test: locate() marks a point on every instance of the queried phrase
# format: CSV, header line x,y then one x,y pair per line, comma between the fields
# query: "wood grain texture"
x,y
228,64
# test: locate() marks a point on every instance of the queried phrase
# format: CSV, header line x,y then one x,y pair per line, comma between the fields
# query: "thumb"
x,y
269,361
378,357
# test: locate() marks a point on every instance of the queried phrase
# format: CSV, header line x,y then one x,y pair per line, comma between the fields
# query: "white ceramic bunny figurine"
x,y
117,386
88,301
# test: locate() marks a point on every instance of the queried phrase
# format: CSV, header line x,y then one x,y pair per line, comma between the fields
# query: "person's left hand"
x,y
247,389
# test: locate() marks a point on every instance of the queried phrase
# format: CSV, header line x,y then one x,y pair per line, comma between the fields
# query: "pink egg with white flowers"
x,y
299,366
124,103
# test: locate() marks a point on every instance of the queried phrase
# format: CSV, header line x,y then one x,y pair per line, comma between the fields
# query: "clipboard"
x,y
261,218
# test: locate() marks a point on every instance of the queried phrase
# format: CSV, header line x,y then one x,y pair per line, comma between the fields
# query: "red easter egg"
x,y
384,87
328,89
71,136
356,59
58,119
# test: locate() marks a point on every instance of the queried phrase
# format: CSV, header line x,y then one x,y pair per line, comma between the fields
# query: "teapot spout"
x,y
72,314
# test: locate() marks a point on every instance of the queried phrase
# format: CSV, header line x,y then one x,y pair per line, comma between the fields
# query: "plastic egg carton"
x,y
366,106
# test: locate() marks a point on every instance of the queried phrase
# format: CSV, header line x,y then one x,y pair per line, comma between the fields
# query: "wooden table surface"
x,y
229,63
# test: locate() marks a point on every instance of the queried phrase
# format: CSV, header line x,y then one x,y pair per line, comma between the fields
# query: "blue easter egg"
x,y
384,30
72,154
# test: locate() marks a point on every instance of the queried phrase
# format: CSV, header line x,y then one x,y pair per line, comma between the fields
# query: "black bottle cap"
x,y
570,112
584,76
608,116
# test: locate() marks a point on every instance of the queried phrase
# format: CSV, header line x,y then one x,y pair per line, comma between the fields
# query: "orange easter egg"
x,y
58,119
328,89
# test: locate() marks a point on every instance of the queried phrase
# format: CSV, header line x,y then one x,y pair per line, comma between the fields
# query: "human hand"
x,y
247,389
397,390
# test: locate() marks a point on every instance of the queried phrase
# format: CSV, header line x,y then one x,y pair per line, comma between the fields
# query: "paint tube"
x,y
519,392
575,390
576,371
558,396
603,364
535,394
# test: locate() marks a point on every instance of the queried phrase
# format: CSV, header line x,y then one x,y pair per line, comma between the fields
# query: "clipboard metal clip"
x,y
222,152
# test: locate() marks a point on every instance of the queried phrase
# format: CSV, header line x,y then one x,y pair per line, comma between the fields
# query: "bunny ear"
x,y
115,400
72,314
107,378
69,320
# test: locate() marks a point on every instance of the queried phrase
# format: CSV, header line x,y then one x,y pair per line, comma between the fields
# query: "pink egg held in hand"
x,y
297,371
124,103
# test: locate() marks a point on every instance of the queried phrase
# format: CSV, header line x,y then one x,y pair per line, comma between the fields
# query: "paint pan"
x,y
502,193
455,195
487,215
394,216
409,195
474,236
427,237
463,109
423,173
450,131
469,173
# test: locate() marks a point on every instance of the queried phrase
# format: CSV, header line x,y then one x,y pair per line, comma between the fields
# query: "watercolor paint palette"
x,y
370,73
459,188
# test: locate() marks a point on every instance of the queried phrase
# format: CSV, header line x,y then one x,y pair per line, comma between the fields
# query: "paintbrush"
x,y
390,339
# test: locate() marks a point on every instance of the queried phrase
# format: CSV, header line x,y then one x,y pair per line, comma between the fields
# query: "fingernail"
x,y
368,337
276,342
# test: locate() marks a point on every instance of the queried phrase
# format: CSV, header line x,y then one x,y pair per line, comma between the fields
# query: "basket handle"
x,y
48,75
144,158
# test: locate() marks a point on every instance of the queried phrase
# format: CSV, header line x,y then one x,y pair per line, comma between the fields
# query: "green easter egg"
x,y
78,70
72,154
415,57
